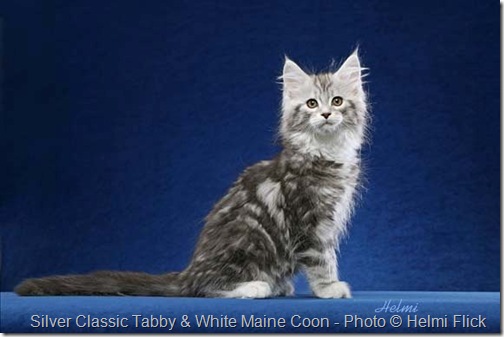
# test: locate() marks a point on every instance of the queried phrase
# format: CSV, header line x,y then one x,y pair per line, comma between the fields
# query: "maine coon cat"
x,y
281,216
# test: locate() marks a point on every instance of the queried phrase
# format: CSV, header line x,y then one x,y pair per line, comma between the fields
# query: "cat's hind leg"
x,y
242,262
252,289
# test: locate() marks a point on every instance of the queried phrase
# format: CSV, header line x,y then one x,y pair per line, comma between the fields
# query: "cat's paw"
x,y
333,290
253,289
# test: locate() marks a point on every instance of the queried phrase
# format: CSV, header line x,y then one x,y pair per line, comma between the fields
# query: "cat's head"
x,y
323,110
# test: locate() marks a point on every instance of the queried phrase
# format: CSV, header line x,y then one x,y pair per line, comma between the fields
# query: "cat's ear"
x,y
350,73
293,76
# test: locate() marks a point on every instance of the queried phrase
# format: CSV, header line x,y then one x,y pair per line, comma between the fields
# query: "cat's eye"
x,y
312,103
337,101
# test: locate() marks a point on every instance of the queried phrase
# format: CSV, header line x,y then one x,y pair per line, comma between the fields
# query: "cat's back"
x,y
244,190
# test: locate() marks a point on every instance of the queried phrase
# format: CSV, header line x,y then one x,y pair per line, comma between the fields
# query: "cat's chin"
x,y
326,129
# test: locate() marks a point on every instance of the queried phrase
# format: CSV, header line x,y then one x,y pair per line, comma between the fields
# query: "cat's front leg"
x,y
321,269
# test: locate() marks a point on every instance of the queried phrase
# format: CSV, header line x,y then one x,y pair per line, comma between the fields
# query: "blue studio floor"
x,y
365,312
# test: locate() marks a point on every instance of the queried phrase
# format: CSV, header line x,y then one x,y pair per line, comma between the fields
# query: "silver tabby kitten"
x,y
281,216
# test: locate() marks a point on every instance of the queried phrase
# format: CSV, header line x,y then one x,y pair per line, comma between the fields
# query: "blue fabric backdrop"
x,y
125,121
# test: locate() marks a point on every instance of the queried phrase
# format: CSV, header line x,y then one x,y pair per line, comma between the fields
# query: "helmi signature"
x,y
390,306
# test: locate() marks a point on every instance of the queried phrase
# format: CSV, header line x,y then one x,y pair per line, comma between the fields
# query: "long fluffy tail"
x,y
103,283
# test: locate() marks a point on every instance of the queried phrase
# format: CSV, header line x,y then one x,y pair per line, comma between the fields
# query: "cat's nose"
x,y
326,115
